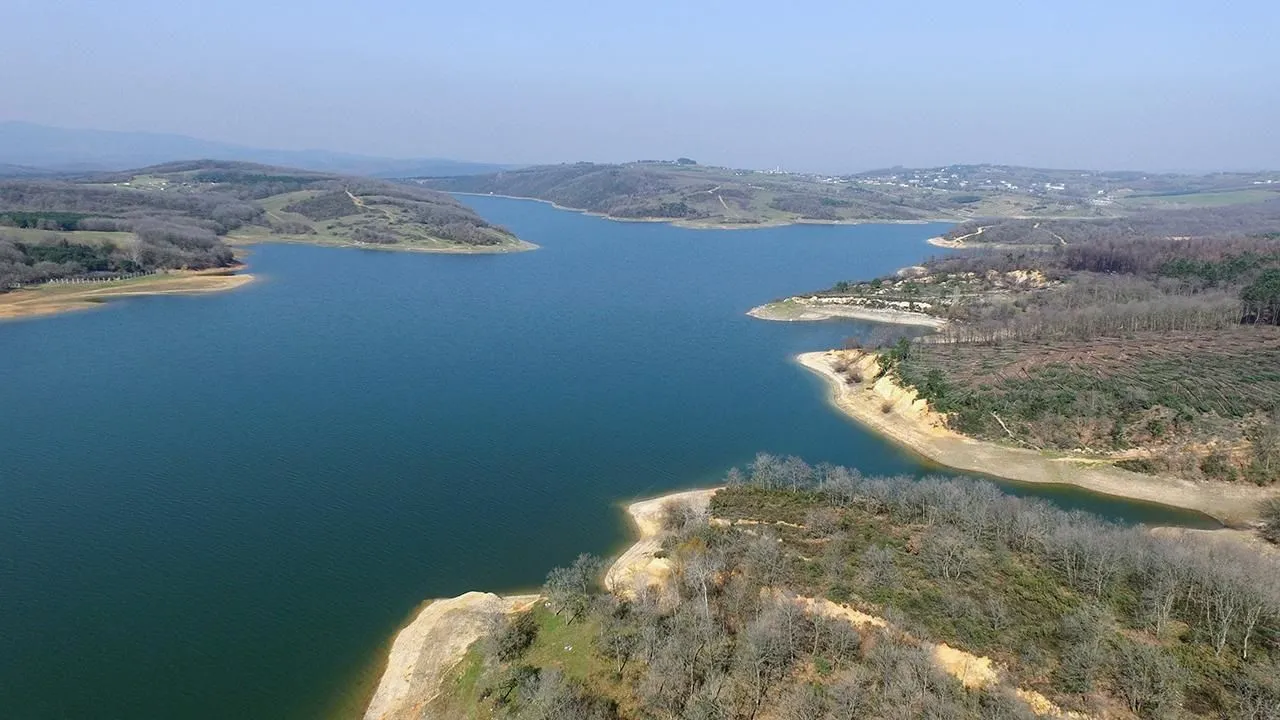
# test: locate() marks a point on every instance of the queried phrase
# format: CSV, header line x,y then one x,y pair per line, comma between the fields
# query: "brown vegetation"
x,y
816,593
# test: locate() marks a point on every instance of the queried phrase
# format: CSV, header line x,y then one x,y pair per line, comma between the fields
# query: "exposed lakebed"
x,y
223,506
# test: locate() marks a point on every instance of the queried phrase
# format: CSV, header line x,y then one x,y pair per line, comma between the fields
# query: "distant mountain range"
x,y
28,149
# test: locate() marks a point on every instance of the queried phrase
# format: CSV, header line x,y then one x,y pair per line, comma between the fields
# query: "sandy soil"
x,y
637,567
973,671
52,299
438,637
911,423
430,646
793,310
957,242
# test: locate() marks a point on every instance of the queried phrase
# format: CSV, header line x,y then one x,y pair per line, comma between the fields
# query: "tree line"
x,y
1089,612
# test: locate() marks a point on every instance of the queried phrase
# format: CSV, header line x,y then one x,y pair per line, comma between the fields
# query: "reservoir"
x,y
223,506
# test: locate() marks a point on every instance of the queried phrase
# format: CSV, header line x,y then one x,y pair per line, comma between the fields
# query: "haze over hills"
x,y
693,194
34,147
185,216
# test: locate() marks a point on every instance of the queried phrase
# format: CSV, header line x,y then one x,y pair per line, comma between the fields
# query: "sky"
x,y
809,86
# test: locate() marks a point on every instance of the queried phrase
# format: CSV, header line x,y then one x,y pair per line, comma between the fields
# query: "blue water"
x,y
222,506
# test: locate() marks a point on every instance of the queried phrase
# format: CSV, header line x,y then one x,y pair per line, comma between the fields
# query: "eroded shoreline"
x,y
896,413
796,309
53,299
437,638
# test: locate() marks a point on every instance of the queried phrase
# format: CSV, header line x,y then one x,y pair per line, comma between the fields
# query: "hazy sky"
x,y
807,85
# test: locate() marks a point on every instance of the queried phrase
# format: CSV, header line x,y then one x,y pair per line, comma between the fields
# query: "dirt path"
x,y
957,242
909,422
638,566
431,645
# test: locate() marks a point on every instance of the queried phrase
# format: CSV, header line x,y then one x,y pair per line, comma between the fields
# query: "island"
x,y
73,242
693,195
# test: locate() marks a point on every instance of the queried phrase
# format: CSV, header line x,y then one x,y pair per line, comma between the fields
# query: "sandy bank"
x,y
57,298
430,646
955,243
638,566
800,310
911,423
437,639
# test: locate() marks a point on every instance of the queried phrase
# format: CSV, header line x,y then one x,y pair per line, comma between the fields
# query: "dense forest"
x,y
814,593
184,215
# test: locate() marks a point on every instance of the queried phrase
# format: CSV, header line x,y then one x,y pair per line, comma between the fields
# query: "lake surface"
x,y
223,506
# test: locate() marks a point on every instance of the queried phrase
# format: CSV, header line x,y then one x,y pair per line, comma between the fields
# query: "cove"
x,y
223,506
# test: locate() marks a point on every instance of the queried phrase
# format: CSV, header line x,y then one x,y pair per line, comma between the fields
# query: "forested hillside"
x,y
186,216
1150,341
686,192
693,194
813,593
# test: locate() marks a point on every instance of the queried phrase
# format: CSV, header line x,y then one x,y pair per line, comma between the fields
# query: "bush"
x,y
515,636
1271,519
1148,679
1217,466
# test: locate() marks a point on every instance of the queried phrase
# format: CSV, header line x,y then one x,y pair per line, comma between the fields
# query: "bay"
x,y
223,506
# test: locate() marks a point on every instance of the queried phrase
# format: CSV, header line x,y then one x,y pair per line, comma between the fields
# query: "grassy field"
x,y
84,237
569,647
1204,199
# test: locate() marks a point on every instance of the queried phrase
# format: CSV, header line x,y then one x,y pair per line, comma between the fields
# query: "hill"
x,y
75,150
692,194
1150,342
187,215
809,593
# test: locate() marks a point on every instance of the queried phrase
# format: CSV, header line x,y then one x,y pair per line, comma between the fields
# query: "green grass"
x,y
555,634
1204,199
462,688
83,237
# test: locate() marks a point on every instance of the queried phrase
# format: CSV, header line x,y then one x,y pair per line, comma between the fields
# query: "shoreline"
x,y
439,632
912,425
249,241
48,300
695,225
797,310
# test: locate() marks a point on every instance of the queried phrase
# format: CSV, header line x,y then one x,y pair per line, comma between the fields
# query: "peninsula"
x,y
813,592
72,242
1133,358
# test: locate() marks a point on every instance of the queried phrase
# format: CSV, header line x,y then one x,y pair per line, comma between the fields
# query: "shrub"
x,y
515,636
1271,519
1217,466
